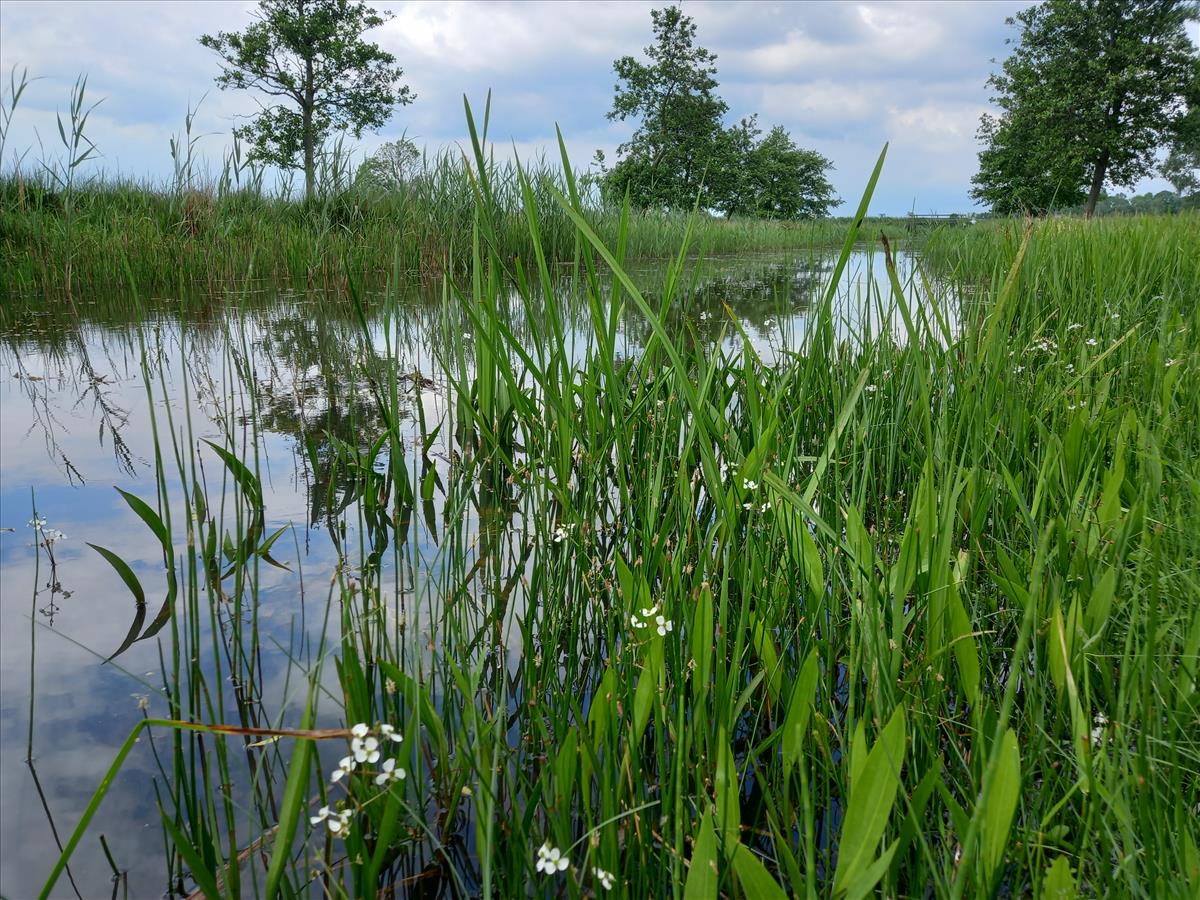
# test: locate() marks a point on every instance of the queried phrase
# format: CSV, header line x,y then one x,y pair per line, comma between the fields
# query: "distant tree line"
x,y
1157,202
1096,94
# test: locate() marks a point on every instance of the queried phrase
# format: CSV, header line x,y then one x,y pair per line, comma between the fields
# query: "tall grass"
x,y
914,611
215,237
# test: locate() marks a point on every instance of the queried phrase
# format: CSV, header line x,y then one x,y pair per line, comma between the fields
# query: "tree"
x,y
309,57
673,98
1182,165
681,144
1091,91
783,181
390,167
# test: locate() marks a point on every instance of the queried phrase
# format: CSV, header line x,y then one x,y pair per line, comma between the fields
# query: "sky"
x,y
842,77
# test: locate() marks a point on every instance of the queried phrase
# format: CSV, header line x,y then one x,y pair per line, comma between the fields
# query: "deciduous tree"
x,y
1090,93
681,144
674,101
389,167
783,181
1182,165
309,59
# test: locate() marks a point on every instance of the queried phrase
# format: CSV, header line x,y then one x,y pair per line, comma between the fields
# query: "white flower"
x,y
340,823
606,879
747,506
1073,326
365,750
389,732
1070,368
37,523
390,772
663,625
53,535
1091,342
1045,345
1018,370
636,623
561,533
550,859
765,506
321,816
1100,721
360,730
345,767
871,388
1170,362
649,612
749,485
336,822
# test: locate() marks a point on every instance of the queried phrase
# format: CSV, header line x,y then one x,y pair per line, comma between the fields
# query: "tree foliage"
x,y
1182,165
309,59
1092,89
673,98
390,167
681,152
779,180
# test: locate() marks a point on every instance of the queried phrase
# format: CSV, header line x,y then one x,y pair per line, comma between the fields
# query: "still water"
x,y
277,374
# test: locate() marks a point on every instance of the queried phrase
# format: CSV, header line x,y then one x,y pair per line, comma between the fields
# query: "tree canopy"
x,y
308,58
1182,165
681,146
673,97
779,180
1090,93
389,167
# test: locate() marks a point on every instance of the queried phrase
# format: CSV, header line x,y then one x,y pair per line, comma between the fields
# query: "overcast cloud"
x,y
843,78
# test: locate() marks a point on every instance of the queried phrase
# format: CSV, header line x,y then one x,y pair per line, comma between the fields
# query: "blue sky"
x,y
842,77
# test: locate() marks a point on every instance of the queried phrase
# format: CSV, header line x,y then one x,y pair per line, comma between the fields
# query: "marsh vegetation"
x,y
478,529
576,580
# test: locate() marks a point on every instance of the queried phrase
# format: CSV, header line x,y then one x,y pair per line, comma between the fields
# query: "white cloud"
x,y
824,101
946,125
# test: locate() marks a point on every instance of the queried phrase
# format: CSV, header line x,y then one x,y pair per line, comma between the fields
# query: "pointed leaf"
x,y
126,573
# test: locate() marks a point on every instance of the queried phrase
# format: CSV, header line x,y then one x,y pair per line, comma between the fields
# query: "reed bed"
x,y
119,234
913,611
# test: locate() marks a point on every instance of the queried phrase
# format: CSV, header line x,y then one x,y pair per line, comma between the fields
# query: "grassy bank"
x,y
107,234
207,240
913,612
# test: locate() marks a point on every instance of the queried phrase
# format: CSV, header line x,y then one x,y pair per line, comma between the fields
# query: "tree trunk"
x,y
310,163
1097,182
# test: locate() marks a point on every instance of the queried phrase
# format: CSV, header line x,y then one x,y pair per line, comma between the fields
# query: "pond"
x,y
124,394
